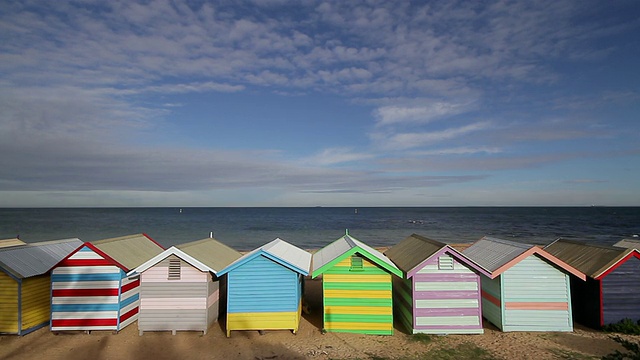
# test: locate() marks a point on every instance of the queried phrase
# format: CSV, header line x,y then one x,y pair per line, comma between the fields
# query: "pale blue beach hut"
x,y
528,288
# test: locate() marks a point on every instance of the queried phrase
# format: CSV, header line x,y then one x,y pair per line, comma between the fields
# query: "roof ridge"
x,y
119,238
525,246
426,239
583,243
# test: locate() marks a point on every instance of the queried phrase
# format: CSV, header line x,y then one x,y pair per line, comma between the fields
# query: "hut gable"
x,y
279,251
25,283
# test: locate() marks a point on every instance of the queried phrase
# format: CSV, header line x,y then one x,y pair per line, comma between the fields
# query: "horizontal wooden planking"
x,y
357,318
358,326
549,319
492,299
173,303
448,320
61,285
84,307
447,311
356,286
213,298
358,294
385,301
187,274
536,306
86,270
85,315
85,277
446,277
8,304
83,324
263,321
85,253
262,304
443,295
364,310
458,268
356,278
169,289
60,293
440,286
621,291
62,300
133,299
447,303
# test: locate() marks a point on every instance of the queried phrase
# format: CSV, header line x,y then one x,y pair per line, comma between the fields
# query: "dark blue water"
x,y
248,228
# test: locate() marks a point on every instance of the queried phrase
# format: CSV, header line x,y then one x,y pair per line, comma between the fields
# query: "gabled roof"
x,y
36,258
344,247
628,243
279,251
128,251
591,259
497,256
411,253
205,255
11,242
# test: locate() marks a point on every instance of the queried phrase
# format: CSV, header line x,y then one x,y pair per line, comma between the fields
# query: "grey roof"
x,y
628,243
11,242
211,252
492,253
129,251
592,260
36,258
412,251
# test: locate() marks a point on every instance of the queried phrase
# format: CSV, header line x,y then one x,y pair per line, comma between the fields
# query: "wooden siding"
x,y
90,293
184,303
8,304
358,301
447,301
403,302
536,297
491,290
36,302
262,295
621,291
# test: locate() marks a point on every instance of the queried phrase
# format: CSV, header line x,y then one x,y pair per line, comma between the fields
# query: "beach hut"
x,y
612,289
180,289
25,283
440,290
11,242
264,288
356,287
628,243
528,289
91,289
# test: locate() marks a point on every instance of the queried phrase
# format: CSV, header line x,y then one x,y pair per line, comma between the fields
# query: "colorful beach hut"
x,y
180,289
25,283
264,288
440,289
612,289
91,289
528,289
356,287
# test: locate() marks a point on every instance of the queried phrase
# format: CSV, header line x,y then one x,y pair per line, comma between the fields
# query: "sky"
x,y
319,103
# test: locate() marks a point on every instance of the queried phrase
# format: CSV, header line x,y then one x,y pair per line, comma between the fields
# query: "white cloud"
x,y
403,141
334,156
396,114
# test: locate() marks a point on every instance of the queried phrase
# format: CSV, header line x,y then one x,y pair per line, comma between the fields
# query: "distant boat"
x,y
180,211
356,211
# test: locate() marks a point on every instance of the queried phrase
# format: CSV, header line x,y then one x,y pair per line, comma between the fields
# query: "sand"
x,y
309,343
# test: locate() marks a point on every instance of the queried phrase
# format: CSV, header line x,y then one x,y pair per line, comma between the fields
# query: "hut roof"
x,y
347,246
279,251
129,251
628,243
205,255
593,260
36,258
414,250
497,256
11,242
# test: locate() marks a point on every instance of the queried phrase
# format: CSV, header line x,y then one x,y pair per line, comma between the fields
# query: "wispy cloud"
x,y
403,141
335,156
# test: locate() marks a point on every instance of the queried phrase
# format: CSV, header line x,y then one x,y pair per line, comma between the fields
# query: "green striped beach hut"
x,y
356,287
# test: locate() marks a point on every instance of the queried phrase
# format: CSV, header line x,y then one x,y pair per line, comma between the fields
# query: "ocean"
x,y
315,227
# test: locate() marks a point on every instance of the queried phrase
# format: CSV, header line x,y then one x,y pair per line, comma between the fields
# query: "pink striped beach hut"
x,y
440,289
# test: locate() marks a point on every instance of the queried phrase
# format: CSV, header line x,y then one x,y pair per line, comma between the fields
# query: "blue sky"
x,y
343,103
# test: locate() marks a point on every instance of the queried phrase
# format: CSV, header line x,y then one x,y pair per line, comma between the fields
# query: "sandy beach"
x,y
309,343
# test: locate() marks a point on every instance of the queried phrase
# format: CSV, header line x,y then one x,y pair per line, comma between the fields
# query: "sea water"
x,y
315,227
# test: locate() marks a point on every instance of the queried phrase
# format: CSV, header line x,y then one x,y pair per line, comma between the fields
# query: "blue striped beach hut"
x,y
25,283
440,291
528,288
264,288
91,289
612,290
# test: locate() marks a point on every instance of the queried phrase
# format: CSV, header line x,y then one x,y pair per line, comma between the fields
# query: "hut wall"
x,y
358,301
403,301
90,293
621,291
9,291
491,290
176,304
263,295
446,294
536,297
36,302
